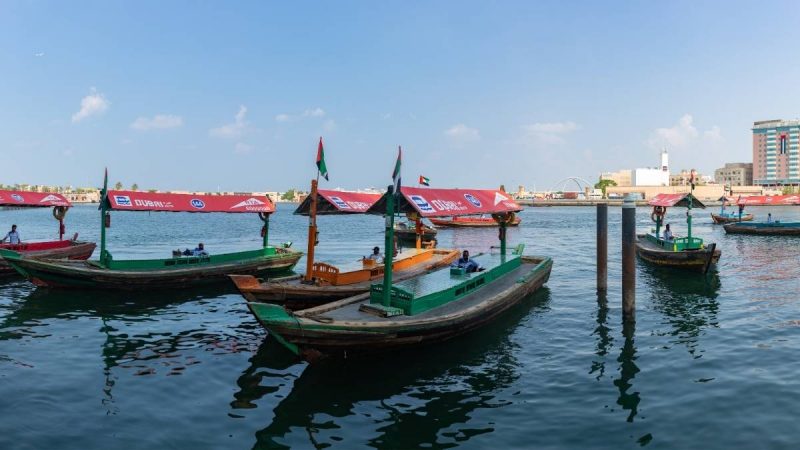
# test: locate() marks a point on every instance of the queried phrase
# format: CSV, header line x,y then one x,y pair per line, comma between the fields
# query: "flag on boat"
x,y
425,181
321,167
396,173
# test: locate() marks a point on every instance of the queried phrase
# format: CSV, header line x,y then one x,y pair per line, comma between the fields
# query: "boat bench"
x,y
437,288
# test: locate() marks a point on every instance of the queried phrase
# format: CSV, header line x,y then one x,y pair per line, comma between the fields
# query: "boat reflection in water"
x,y
448,382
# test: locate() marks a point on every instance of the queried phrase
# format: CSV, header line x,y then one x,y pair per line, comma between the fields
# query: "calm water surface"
x,y
711,362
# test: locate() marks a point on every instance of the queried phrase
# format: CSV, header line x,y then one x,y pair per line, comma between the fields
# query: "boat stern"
x,y
273,317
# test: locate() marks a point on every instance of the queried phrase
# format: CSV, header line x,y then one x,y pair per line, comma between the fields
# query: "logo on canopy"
x,y
197,203
122,200
17,197
471,198
498,197
341,204
251,204
50,198
422,204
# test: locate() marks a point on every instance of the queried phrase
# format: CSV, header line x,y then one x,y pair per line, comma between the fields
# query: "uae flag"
x,y
396,173
321,167
425,181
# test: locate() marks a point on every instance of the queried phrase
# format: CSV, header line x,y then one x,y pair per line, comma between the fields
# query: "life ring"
x,y
59,212
658,213
504,218
263,216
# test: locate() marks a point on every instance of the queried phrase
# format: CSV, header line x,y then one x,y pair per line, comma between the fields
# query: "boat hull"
x,y
410,235
312,334
461,222
294,294
88,275
716,218
764,229
698,260
75,250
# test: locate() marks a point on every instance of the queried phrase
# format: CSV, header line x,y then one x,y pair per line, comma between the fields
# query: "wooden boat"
x,y
430,308
407,234
333,284
60,249
325,282
764,228
680,252
170,273
728,217
471,222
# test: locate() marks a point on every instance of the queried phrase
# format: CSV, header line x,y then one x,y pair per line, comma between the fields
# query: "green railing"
x,y
678,244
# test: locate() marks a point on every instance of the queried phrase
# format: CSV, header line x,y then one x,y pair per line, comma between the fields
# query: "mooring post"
x,y
602,247
629,259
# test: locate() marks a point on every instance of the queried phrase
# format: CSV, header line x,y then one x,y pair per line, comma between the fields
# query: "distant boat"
x,y
728,217
471,222
769,228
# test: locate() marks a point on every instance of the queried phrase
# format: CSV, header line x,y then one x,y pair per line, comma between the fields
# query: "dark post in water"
x,y
629,259
388,248
602,247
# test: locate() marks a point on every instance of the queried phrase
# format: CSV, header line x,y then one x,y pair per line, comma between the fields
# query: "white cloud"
x,y
232,130
329,125
549,132
242,148
315,112
282,118
714,134
157,122
38,55
461,133
92,104
679,135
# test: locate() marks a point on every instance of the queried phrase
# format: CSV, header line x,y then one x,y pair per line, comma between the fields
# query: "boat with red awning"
x,y
728,217
169,273
323,282
770,227
66,249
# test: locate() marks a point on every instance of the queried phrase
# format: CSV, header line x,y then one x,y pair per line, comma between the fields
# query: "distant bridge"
x,y
579,182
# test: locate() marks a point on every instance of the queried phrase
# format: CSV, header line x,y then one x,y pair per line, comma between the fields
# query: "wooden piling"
x,y
629,259
602,247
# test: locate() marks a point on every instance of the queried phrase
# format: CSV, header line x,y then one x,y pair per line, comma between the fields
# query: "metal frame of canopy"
x,y
661,202
112,200
25,199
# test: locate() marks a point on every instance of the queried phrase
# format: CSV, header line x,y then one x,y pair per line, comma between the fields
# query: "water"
x,y
711,363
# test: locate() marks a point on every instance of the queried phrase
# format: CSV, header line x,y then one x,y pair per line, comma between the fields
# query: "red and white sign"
x,y
454,202
151,201
756,200
40,199
350,202
667,200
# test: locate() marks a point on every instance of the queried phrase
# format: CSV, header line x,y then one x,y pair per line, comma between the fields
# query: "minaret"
x,y
664,160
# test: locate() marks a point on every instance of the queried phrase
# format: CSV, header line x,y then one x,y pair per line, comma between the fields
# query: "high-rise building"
x,y
775,152
735,174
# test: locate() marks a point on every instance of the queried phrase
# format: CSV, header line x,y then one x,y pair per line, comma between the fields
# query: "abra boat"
x,y
407,234
774,228
60,249
728,217
430,308
323,282
681,252
470,222
170,273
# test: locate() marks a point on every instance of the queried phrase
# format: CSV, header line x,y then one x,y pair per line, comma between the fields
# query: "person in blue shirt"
x,y
470,265
668,234
12,236
200,250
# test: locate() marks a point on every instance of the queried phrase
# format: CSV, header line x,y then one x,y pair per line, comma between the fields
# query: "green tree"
x,y
134,187
118,186
288,195
603,184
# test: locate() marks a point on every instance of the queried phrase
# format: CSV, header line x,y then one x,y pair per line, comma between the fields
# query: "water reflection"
x,y
422,397
629,401
604,339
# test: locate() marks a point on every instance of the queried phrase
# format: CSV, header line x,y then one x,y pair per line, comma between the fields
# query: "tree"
x,y
603,184
134,187
288,195
118,186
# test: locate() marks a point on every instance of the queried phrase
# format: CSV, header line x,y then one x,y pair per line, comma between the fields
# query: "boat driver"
x,y
668,234
470,265
376,255
200,250
12,236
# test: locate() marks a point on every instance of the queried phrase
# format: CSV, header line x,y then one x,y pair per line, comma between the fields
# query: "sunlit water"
x,y
711,362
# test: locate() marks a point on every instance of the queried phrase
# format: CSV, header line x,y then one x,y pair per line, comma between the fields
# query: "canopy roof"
x,y
151,201
428,202
769,200
32,199
667,200
339,202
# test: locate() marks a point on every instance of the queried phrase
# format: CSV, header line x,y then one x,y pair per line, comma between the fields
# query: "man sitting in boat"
x,y
470,265
375,256
769,218
200,250
12,236
668,234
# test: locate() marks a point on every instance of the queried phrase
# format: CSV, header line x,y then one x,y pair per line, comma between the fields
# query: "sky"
x,y
208,95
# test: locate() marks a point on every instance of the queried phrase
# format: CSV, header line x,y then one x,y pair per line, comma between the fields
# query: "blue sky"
x,y
200,95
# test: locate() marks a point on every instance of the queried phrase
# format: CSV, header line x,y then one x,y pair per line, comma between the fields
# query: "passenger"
x,y
12,236
668,234
769,218
375,256
470,265
200,250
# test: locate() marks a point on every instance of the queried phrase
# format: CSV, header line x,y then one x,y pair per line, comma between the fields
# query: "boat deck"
x,y
402,255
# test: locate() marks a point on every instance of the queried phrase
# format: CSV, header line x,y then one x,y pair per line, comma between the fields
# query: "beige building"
x,y
735,174
621,177
683,178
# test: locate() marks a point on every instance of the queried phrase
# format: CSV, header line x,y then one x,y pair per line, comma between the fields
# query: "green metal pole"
x,y
503,239
689,216
103,211
388,248
266,230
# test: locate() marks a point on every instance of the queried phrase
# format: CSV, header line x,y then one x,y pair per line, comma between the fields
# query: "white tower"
x,y
664,161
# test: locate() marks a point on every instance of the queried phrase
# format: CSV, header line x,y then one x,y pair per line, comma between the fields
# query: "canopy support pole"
x,y
266,230
389,248
503,239
312,232
103,213
689,216
60,229
419,233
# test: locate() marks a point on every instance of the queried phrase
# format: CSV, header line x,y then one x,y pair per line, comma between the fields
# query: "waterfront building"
x,y
621,177
735,174
775,152
653,176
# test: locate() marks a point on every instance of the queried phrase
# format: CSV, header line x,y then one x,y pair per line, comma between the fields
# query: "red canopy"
x,y
150,201
429,202
756,200
667,200
339,202
33,199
